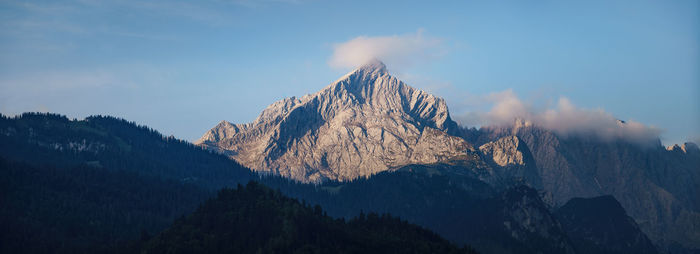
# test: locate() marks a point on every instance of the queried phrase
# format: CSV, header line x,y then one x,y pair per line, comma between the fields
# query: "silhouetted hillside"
x,y
255,219
83,209
601,225
90,186
447,200
114,144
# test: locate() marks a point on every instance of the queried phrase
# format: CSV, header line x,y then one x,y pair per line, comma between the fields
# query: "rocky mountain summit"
x,y
364,123
369,122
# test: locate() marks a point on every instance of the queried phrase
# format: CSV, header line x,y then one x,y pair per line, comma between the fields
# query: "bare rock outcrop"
x,y
364,123
504,151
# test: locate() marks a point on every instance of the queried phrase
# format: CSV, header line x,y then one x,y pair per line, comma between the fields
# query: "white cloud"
x,y
396,51
568,119
564,118
57,81
507,107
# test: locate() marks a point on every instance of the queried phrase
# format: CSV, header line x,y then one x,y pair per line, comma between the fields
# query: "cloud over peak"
x,y
396,50
564,118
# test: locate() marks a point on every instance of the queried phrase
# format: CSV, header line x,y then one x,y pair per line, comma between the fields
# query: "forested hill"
x,y
114,144
82,209
256,219
90,186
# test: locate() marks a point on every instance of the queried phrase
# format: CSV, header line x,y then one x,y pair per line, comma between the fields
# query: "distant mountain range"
x,y
104,185
369,122
658,187
366,144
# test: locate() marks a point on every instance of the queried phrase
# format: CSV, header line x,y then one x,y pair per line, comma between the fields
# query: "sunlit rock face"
x,y
504,151
512,161
368,122
364,123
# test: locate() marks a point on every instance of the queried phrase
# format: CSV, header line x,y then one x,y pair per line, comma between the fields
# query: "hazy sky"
x,y
181,67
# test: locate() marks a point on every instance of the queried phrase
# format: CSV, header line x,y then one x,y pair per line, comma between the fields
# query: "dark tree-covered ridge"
x,y
256,219
82,209
114,144
93,185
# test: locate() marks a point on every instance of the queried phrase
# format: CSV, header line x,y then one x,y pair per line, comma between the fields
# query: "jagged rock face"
x,y
366,122
659,188
511,162
684,148
504,151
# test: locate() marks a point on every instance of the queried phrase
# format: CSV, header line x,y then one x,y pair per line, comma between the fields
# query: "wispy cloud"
x,y
262,3
35,91
59,81
94,90
564,118
396,50
23,18
211,13
122,76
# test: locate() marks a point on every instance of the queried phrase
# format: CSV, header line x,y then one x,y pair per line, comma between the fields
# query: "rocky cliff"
x,y
659,187
364,123
369,122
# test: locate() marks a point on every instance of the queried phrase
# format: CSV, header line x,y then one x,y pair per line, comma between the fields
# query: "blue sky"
x,y
182,66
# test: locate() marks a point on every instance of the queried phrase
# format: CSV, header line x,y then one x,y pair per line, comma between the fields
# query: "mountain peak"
x,y
364,123
373,65
684,148
362,76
